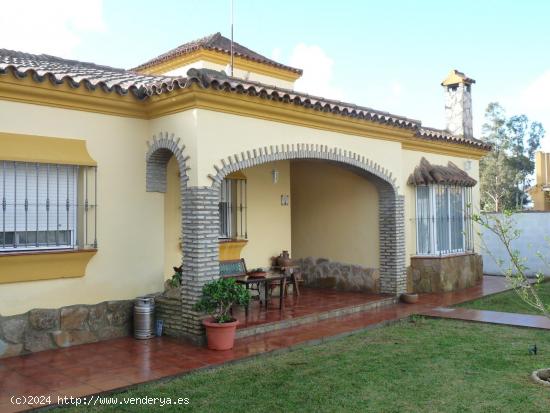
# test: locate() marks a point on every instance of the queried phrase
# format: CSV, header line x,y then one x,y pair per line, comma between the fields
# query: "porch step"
x,y
312,318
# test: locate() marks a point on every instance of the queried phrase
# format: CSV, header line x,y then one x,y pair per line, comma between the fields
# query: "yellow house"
x,y
540,192
111,177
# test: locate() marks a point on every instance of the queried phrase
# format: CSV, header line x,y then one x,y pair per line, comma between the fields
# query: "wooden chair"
x,y
294,277
234,269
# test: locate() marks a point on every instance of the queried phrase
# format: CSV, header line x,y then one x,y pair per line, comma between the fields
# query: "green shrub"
x,y
219,296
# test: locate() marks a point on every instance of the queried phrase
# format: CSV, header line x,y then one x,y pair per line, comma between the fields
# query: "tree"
x,y
505,172
505,229
497,183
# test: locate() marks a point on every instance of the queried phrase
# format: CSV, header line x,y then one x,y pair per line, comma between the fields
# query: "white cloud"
x,y
276,54
52,27
534,101
396,89
318,71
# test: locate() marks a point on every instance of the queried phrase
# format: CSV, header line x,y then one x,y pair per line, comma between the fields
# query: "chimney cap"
x,y
455,77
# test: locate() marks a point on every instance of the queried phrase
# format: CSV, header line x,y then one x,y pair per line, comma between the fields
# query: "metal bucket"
x,y
144,318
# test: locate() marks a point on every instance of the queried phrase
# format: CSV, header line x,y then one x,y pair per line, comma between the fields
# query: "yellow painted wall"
x,y
130,257
240,134
172,219
221,135
542,178
540,199
334,214
269,230
542,168
184,127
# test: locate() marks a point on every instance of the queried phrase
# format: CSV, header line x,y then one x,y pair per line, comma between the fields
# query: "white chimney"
x,y
458,104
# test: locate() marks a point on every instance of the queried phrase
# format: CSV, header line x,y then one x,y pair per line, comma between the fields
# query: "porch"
x,y
339,215
95,368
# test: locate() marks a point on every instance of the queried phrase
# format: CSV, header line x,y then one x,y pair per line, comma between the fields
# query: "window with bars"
x,y
233,209
47,206
443,220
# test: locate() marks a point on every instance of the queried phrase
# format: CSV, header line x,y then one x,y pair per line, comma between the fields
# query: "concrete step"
x,y
313,318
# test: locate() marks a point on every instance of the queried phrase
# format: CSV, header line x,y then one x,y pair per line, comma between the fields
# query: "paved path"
x,y
94,368
492,317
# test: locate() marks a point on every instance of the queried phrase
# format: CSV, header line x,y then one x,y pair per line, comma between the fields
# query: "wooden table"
x,y
248,281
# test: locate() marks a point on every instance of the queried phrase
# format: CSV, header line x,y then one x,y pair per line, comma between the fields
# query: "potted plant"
x,y
409,298
218,297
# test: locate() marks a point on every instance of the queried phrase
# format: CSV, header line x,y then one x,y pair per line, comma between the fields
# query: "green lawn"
x,y
508,302
425,365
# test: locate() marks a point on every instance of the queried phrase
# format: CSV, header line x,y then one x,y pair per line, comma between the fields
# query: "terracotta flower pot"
x,y
220,336
409,298
284,259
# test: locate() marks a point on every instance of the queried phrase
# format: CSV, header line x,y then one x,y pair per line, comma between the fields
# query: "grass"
x,y
424,365
508,302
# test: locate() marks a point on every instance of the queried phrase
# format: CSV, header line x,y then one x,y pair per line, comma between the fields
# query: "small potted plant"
x,y
218,297
409,298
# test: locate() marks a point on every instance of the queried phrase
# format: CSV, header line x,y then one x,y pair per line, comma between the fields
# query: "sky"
x,y
387,55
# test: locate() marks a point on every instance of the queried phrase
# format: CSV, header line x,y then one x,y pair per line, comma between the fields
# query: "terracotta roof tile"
x,y
428,174
218,43
76,73
438,135
208,78
91,76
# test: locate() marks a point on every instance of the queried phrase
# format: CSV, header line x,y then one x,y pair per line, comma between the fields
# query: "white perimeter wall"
x,y
535,236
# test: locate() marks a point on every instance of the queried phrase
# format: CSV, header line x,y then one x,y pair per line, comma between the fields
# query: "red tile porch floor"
x,y
310,301
108,365
310,306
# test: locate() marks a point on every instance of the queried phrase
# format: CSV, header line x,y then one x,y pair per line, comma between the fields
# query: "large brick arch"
x,y
200,215
391,204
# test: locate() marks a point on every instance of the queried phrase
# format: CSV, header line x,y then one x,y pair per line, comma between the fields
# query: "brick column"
x,y
200,229
393,278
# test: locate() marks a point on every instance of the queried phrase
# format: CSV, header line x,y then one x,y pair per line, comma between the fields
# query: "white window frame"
x,y
71,206
434,249
233,216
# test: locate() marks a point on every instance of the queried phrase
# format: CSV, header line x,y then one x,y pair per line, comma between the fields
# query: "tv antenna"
x,y
232,62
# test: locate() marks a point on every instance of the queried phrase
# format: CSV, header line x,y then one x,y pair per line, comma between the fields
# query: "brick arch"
x,y
352,160
200,220
391,204
161,149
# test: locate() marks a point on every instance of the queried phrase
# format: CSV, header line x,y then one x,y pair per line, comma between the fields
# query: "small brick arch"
x,y
161,149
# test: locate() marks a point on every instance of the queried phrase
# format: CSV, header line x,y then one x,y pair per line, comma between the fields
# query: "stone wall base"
x,y
46,329
444,274
322,273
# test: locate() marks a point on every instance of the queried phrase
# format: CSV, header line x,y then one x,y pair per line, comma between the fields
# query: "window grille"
x,y
443,220
47,206
233,209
